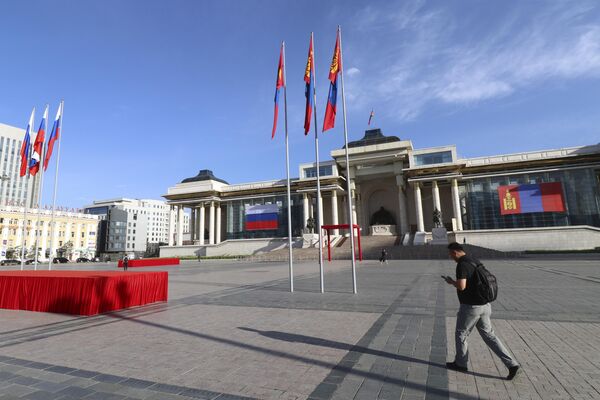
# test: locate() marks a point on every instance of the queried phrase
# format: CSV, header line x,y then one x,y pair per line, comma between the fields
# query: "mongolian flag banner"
x,y
262,217
531,198
278,85
308,91
336,66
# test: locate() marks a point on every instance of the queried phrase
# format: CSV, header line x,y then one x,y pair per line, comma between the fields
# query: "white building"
x,y
12,186
142,222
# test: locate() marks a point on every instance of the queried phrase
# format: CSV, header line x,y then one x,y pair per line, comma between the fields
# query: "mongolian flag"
x,y
308,92
531,198
26,146
278,85
38,145
54,135
336,66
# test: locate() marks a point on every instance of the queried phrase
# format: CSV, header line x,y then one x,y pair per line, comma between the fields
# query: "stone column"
x,y
193,224
403,214
218,232
419,207
202,223
305,209
334,211
435,192
355,206
171,230
320,211
456,205
44,241
211,223
19,237
179,241
77,241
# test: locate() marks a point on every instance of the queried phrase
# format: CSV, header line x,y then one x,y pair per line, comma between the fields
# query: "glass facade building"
x,y
480,201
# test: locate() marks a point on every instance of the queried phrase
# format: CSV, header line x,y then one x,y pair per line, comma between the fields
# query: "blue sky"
x,y
156,90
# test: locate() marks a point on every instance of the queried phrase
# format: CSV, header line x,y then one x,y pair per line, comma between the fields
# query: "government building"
x,y
537,200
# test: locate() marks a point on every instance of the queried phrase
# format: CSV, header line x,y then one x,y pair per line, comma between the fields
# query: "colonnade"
x,y
197,223
435,191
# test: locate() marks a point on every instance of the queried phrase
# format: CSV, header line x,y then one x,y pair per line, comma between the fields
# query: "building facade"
x,y
14,189
131,225
400,190
70,233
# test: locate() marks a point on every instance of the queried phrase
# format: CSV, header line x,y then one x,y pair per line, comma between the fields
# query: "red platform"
x,y
80,292
149,262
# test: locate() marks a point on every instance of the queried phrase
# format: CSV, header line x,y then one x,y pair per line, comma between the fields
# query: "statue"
x,y
437,218
382,217
310,225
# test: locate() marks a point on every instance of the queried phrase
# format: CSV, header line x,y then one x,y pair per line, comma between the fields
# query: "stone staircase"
x,y
372,245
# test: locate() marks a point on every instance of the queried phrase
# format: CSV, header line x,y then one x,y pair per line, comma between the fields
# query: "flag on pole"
x,y
336,65
38,145
278,85
308,92
371,117
26,146
54,135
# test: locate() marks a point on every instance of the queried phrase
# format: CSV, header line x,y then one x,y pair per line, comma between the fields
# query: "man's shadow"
x,y
315,341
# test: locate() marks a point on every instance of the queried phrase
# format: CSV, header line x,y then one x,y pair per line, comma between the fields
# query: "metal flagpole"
x,y
350,216
26,208
287,170
319,200
41,171
52,222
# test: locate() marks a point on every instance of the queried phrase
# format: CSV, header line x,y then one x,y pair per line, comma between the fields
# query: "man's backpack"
x,y
486,285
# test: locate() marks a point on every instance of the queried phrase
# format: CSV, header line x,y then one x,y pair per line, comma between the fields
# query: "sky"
x,y
155,91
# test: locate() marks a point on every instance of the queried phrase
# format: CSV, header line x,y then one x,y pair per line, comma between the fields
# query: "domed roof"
x,y
204,175
373,136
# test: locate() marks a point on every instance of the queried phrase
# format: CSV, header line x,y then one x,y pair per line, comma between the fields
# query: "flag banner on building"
x,y
54,134
26,146
336,65
531,198
38,146
279,83
262,217
308,91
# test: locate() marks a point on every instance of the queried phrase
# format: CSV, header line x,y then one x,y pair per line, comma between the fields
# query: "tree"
x,y
66,250
13,252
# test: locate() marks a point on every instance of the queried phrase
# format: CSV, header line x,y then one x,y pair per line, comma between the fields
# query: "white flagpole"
x,y
350,216
26,208
287,170
319,200
41,172
52,222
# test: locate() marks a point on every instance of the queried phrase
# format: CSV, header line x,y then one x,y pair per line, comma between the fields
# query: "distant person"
x,y
475,311
125,263
383,257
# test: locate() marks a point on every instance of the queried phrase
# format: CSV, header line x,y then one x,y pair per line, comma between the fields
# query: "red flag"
x,y
278,84
336,66
308,79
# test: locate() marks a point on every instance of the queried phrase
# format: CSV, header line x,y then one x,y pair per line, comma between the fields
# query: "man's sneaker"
x,y
454,366
513,372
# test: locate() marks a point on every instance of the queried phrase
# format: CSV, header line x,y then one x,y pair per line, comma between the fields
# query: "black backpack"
x,y
486,285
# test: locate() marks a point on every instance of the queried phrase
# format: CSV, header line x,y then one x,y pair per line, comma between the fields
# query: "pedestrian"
x,y
474,311
125,263
383,257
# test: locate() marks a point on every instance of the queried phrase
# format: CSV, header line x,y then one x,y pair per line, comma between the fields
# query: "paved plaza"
x,y
231,330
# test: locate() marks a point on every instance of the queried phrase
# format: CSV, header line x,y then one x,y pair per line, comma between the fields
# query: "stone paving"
x,y
232,330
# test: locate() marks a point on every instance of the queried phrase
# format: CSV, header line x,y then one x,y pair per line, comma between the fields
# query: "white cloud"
x,y
352,72
410,56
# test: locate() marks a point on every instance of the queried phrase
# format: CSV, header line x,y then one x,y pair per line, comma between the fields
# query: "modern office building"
x,y
14,190
131,225
73,235
536,200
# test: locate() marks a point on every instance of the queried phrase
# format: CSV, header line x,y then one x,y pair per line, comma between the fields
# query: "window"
x,y
324,170
439,157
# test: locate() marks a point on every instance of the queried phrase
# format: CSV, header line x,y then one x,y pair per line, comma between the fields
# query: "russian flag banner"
x,y
262,217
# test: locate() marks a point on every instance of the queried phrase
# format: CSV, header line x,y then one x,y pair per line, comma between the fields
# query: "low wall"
x,y
149,262
551,238
241,247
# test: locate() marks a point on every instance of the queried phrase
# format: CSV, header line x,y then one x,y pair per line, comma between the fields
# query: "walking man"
x,y
473,312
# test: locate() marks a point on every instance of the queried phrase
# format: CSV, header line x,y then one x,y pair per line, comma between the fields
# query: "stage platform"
x,y
80,292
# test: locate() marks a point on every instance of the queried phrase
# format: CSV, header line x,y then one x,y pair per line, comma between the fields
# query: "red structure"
x,y
80,292
149,262
329,228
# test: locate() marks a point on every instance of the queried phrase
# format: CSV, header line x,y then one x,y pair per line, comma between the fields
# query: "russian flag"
x,y
262,217
26,146
54,135
38,145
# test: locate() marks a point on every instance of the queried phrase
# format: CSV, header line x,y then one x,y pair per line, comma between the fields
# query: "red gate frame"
x,y
328,228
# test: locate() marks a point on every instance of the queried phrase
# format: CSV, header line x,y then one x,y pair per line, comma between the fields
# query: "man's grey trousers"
x,y
469,317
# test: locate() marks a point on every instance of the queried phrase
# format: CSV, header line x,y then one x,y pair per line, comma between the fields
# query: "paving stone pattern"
x,y
232,330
